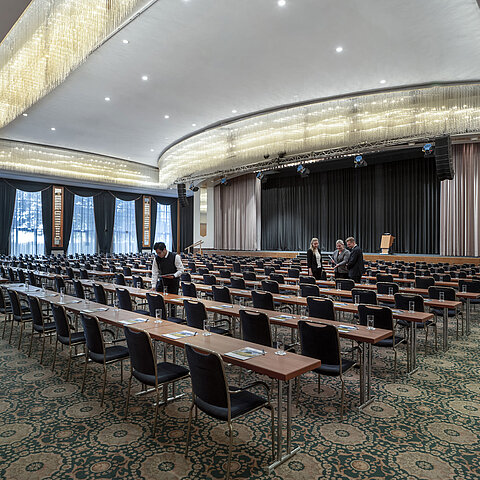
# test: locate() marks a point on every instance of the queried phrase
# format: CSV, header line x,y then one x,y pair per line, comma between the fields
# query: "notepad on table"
x,y
245,353
181,334
133,321
92,310
222,306
347,328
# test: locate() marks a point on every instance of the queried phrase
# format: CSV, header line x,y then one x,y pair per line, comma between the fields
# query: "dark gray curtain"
x,y
401,198
7,206
186,226
104,211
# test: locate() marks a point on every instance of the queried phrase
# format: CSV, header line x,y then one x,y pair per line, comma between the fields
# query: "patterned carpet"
x,y
423,427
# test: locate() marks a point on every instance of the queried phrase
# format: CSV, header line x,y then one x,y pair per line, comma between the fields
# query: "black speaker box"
x,y
182,194
443,158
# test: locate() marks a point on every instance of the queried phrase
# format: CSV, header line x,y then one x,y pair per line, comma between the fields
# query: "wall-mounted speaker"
x,y
182,194
444,159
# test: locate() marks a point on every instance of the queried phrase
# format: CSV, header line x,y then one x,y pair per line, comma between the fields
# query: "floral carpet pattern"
x,y
422,427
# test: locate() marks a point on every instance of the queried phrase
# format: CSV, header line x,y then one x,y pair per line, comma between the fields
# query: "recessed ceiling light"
x,y
194,124
53,129
234,111
125,41
152,150
474,138
166,117
281,3
383,81
339,49
107,99
145,78
25,114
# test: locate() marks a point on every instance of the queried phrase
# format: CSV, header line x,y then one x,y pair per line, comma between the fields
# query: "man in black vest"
x,y
355,264
166,270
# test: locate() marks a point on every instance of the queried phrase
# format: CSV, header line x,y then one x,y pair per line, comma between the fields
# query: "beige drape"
x,y
460,204
238,214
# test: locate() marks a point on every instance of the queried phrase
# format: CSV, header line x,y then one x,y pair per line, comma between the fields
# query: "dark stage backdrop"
x,y
400,197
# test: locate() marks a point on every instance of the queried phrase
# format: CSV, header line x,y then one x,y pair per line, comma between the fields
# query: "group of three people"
x,y
347,262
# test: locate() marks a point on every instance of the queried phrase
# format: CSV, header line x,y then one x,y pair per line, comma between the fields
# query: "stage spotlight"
x,y
260,175
224,181
193,187
303,171
427,149
359,162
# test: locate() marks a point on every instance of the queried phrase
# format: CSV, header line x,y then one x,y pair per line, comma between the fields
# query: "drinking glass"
x,y
62,294
44,288
464,288
206,328
87,303
116,312
158,315
338,287
280,346
390,291
27,285
411,306
370,322
441,296
356,299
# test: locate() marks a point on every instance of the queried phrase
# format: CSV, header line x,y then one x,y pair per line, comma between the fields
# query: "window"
x,y
124,230
26,235
83,238
163,230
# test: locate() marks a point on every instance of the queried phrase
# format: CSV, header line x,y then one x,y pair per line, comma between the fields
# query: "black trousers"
x,y
357,278
317,273
341,275
170,285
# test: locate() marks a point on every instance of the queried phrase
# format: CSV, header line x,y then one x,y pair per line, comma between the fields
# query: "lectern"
x,y
386,243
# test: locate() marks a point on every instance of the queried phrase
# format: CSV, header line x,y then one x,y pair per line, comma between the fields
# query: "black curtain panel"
x,y
186,226
397,197
68,204
7,207
174,213
104,212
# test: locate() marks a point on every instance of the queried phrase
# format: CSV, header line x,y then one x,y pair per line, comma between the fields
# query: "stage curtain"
x,y
460,204
186,226
104,212
401,198
236,214
7,207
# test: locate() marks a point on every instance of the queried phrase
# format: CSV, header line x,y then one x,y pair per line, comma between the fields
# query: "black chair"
x,y
78,288
320,308
293,273
309,290
448,295
196,315
368,297
262,300
471,286
192,267
424,282
5,310
387,288
209,279
145,369
383,277
119,279
251,276
100,294
39,325
255,327
270,286
83,274
21,276
277,277
237,282
213,396
137,281
307,279
20,314
225,273
189,289
32,279
70,273
344,284
269,270
11,275
237,268
97,351
382,318
221,294
65,335
185,277
60,283
203,271
125,302
157,302
127,271
322,342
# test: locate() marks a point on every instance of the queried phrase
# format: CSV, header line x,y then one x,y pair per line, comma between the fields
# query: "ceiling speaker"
x,y
182,194
444,159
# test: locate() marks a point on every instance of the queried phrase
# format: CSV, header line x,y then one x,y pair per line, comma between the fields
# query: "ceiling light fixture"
x,y
194,124
152,150
281,3
383,81
145,78
166,117
25,114
339,49
125,41
53,129
234,111
107,99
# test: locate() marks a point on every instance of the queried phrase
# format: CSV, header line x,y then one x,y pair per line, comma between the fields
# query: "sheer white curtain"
x,y
26,234
124,229
238,214
163,229
83,238
460,204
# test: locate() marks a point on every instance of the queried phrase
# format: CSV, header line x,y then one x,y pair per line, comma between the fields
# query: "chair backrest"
x,y
237,282
473,286
209,382
383,317
3,303
424,282
383,288
119,279
100,294
36,309
307,279
209,279
320,308
70,273
59,283
189,289
225,273
365,296
140,349
402,301
138,281
11,275
268,270
448,293
127,271
155,302
192,267
255,327
61,322
270,286
32,279
93,334
319,341
203,271
278,277
221,294
293,273
83,274
99,267
195,313
185,277
21,276
262,300
237,268
309,290
249,276
78,287
344,284
383,277
124,299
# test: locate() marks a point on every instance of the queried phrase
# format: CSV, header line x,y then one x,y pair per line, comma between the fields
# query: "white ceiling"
x,y
205,58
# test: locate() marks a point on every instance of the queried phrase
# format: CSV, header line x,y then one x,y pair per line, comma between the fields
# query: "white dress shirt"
x,y
156,273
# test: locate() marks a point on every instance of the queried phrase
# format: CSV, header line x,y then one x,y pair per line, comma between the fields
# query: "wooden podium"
x,y
386,243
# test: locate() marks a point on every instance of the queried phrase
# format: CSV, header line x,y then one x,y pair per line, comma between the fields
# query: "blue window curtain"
x,y
124,229
83,238
163,229
26,234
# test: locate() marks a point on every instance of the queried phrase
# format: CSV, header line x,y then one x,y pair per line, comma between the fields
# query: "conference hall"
x,y
239,239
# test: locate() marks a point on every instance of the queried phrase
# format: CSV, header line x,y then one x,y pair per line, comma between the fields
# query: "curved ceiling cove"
x,y
324,128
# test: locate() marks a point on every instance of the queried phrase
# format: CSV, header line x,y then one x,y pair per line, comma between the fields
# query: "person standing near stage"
x,y
355,264
314,259
166,270
340,260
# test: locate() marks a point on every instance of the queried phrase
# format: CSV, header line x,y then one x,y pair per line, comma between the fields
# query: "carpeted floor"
x,y
423,427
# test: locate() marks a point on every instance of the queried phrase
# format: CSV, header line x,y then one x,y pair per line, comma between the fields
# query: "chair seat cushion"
x,y
439,311
77,338
166,372
47,327
405,323
334,370
219,330
241,402
176,320
140,311
117,352
388,342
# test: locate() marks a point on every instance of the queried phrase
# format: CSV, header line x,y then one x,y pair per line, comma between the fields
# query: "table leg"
x,y
467,319
445,329
362,373
413,349
366,376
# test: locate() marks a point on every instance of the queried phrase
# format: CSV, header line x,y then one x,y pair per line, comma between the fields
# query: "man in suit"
x,y
355,264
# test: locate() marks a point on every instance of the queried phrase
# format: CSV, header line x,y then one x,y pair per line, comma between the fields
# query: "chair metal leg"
x,y
319,385
21,334
128,395
189,427
104,383
85,369
31,342
69,362
230,442
394,362
55,355
43,349
343,397
156,412
272,432
5,325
